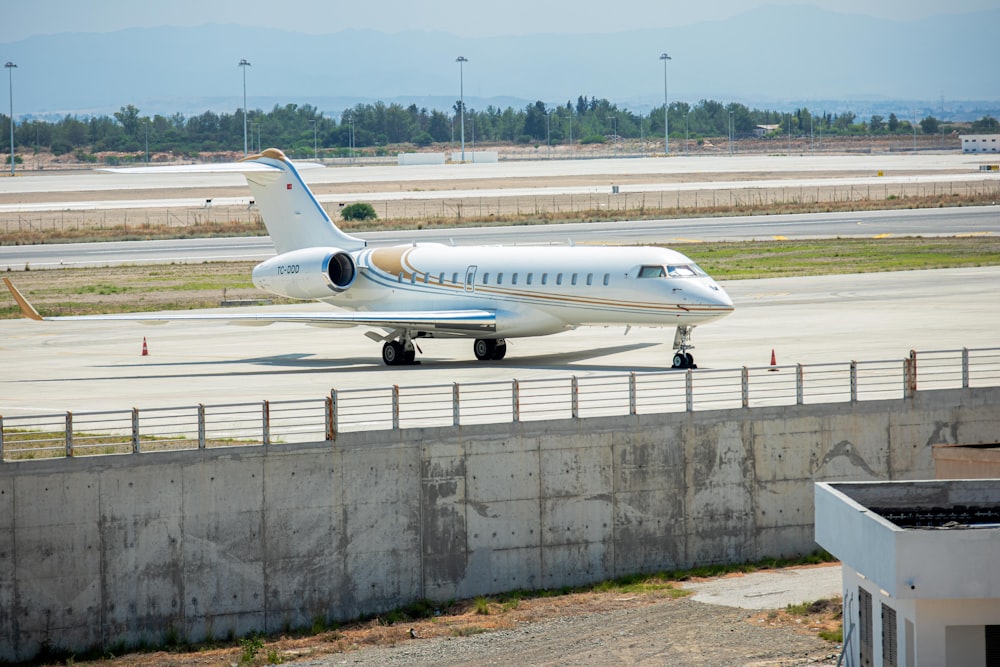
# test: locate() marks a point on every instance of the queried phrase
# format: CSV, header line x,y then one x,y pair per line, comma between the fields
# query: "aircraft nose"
x,y
719,296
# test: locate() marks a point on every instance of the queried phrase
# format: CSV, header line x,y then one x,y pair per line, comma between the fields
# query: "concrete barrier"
x,y
118,550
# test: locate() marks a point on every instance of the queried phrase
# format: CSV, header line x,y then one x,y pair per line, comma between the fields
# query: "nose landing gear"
x,y
682,343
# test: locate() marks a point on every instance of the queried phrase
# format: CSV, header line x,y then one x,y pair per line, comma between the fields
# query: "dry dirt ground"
x,y
649,627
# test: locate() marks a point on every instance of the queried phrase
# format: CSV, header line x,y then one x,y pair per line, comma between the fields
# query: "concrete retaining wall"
x,y
110,550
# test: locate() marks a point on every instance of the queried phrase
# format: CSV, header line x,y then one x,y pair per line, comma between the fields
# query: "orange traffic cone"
x,y
774,362
145,348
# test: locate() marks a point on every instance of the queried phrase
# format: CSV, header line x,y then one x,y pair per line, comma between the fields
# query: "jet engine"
x,y
308,273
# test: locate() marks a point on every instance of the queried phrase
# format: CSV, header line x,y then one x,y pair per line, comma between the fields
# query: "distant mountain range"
x,y
773,58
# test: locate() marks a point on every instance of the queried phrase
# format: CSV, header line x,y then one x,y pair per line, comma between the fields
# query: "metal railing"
x,y
268,423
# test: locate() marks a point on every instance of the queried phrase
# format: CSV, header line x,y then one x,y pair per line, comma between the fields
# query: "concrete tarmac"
x,y
770,589
59,366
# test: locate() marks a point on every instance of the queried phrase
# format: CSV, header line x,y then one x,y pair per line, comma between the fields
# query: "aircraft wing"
x,y
446,321
451,321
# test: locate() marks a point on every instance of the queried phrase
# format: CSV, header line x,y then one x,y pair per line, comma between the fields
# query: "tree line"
x,y
301,130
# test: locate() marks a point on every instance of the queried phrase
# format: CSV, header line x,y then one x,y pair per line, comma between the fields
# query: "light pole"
x,y
666,120
351,120
731,132
548,132
461,60
10,84
244,63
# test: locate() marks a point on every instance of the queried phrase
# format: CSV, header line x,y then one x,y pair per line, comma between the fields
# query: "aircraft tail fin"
x,y
293,217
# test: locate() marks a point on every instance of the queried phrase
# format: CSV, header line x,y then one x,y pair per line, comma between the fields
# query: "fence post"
x,y
265,422
689,390
965,369
911,377
455,413
631,394
515,399
328,431
745,390
574,397
69,433
854,381
334,414
135,431
201,426
799,385
395,407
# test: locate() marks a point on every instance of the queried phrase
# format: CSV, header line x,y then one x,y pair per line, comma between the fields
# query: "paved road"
x,y
924,222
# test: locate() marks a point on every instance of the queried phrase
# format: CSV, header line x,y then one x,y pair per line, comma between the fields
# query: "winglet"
x,y
26,308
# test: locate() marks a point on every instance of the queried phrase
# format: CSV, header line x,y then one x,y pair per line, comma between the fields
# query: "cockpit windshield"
x,y
672,271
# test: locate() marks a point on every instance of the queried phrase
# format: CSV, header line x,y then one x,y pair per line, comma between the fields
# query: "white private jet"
x,y
487,293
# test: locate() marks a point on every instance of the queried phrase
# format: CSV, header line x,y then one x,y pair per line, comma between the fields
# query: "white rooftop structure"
x,y
921,569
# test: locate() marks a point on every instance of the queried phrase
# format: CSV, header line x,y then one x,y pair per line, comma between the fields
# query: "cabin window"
x,y
400,276
486,278
590,278
652,272
500,278
454,277
545,279
607,279
413,278
573,279
440,279
427,278
528,280
558,279
513,279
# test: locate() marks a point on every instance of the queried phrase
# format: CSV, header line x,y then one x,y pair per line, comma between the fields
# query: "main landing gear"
x,y
399,352
403,352
490,349
682,343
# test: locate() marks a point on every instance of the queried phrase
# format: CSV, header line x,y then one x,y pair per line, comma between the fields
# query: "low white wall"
x,y
406,159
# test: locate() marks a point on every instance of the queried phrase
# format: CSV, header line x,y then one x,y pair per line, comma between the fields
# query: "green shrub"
x,y
358,211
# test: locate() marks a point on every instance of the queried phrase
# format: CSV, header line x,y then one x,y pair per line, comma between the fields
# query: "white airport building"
x,y
921,569
981,143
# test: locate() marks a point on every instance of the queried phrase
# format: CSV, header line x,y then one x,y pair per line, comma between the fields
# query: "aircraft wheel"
x,y
409,356
484,348
690,360
680,360
501,350
392,353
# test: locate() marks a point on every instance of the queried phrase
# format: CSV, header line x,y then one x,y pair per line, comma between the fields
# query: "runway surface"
x,y
59,366
81,190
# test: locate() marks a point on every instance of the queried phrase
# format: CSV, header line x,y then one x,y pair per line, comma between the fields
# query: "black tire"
x,y
484,348
501,350
392,353
690,360
409,356
680,360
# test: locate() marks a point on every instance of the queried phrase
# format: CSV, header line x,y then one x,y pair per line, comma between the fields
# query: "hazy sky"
x,y
473,18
